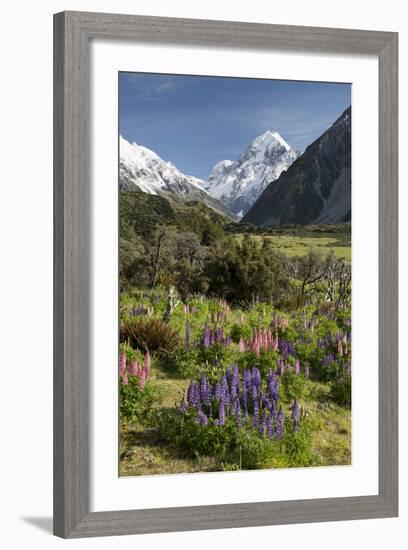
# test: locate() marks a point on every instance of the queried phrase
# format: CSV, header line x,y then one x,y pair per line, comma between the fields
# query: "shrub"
x,y
297,446
136,403
239,331
149,334
179,363
216,357
340,389
292,386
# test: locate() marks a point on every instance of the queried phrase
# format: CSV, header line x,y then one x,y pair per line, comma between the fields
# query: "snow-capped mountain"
x,y
239,183
141,169
316,189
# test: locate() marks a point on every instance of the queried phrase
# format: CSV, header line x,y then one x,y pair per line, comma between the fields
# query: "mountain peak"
x,y
270,138
238,184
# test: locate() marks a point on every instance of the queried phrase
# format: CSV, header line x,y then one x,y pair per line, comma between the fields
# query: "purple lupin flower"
x,y
256,377
188,334
244,397
225,394
275,391
205,390
236,406
295,415
284,348
234,384
217,390
228,373
254,393
255,415
193,395
269,426
270,383
202,418
262,424
206,336
248,380
279,424
266,403
183,406
221,413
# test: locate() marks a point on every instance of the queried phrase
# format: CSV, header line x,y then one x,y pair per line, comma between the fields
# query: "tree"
x,y
311,268
246,272
187,246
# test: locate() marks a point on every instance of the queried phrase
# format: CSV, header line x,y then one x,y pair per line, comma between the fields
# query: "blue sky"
x,y
196,121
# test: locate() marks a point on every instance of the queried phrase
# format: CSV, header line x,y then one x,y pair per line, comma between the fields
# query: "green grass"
x,y
298,245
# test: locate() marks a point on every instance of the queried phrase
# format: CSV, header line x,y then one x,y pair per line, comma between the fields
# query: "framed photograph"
x,y
225,282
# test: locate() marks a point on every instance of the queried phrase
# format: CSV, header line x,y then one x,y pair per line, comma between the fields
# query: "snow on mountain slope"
x,y
238,184
141,169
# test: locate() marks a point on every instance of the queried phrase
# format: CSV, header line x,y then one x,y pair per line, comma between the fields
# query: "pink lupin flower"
x,y
125,379
147,363
241,345
134,368
143,378
256,348
297,366
275,343
122,364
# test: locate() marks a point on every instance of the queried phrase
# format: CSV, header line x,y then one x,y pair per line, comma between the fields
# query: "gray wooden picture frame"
x,y
72,34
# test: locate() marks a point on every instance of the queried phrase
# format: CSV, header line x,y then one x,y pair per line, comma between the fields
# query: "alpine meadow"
x,y
234,274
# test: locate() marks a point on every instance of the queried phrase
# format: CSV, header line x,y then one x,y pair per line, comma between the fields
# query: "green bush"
x,y
179,363
238,331
149,334
135,403
297,446
340,389
216,356
235,447
292,386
